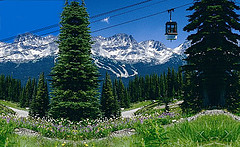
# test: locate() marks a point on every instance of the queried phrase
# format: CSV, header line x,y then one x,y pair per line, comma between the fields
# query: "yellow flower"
x,y
85,144
64,143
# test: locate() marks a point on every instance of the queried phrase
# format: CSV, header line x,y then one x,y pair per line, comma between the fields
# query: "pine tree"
x,y
179,82
121,93
29,92
23,98
214,54
34,87
192,98
147,87
126,99
74,76
117,111
2,87
109,104
40,103
169,83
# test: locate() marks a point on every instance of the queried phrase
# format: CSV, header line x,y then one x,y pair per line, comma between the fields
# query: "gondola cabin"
x,y
171,30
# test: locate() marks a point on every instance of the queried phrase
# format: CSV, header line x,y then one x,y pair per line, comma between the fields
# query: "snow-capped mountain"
x,y
125,48
28,47
120,54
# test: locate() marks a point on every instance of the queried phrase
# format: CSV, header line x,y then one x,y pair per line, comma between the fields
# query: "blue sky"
x,y
20,16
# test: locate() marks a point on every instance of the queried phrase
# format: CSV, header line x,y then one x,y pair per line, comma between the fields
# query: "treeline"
x,y
28,93
10,89
155,87
115,95
33,95
165,88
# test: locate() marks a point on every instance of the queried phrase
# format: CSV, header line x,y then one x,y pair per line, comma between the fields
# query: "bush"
x,y
151,132
5,130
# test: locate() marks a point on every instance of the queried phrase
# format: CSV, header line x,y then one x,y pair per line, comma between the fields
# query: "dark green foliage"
x,y
152,133
40,102
10,89
192,98
153,87
5,110
109,103
122,95
214,55
165,88
74,76
233,93
28,93
22,101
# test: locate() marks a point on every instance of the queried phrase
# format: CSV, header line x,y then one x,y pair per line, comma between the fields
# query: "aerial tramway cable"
x,y
92,17
105,27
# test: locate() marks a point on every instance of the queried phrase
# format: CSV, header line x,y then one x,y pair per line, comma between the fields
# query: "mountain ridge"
x,y
119,54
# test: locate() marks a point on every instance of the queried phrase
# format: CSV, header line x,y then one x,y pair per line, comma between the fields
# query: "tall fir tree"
x,y
214,54
75,76
109,104
40,103
22,101
29,92
2,87
179,82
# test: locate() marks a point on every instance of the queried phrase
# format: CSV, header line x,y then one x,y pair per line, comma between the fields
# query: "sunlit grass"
x,y
216,130
138,105
11,104
5,110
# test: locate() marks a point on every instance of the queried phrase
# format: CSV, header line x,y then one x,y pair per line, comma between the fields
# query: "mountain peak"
x,y
25,36
124,48
120,47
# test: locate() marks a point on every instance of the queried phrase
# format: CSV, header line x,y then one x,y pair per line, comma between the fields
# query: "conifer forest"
x,y
196,104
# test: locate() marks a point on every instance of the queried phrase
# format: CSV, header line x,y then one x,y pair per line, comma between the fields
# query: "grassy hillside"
x,y
150,130
5,110
216,130
12,104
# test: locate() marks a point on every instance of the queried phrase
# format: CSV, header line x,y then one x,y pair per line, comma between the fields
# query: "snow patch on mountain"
x,y
120,47
28,47
117,68
125,48
119,54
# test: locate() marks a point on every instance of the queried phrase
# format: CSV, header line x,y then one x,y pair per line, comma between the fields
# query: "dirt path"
x,y
130,113
20,113
126,114
170,105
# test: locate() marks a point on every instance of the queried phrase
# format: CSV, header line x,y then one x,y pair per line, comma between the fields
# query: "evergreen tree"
x,y
126,99
179,82
169,83
147,87
23,98
214,54
117,111
192,97
34,87
74,76
2,87
40,103
29,92
121,93
109,104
